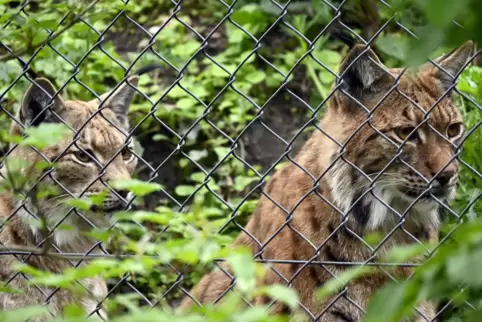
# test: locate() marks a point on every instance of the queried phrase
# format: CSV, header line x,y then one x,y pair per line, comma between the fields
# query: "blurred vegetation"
x,y
217,76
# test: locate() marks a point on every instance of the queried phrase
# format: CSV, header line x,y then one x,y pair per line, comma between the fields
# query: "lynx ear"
x,y
121,99
361,71
37,103
453,63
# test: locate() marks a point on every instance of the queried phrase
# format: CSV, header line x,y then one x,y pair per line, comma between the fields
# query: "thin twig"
x,y
52,37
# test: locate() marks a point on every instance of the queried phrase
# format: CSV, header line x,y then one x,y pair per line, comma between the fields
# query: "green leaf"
x,y
184,190
46,134
326,77
249,14
197,155
155,315
142,216
256,77
187,49
39,37
394,45
337,283
101,235
374,238
392,303
188,256
137,187
198,177
98,199
462,267
74,311
421,48
4,288
221,152
83,204
160,137
183,163
186,103
200,91
282,293
241,182
254,314
48,23
209,251
23,314
235,35
177,92
216,71
323,12
441,12
404,253
244,269
329,57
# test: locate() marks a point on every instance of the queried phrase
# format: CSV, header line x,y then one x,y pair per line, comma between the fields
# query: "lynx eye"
x,y
127,154
455,130
83,156
404,133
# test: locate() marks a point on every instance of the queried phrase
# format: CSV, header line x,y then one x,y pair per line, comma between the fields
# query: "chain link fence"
x,y
269,129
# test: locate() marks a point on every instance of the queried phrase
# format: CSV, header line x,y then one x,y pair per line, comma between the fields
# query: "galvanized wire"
x,y
257,44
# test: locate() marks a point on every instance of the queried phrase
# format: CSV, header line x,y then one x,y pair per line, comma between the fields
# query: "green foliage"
x,y
45,135
440,28
137,187
23,314
468,197
336,284
452,268
224,84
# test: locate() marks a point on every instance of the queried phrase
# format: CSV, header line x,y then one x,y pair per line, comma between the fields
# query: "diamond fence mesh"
x,y
228,102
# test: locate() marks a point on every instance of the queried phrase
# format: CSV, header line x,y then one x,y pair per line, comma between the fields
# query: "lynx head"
x,y
98,151
399,136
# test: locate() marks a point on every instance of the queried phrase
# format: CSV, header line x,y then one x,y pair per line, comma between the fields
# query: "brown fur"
x,y
101,134
313,228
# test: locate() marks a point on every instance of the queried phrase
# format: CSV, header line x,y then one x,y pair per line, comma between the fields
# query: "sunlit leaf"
x,y
244,269
337,283
282,293
137,187
23,314
46,134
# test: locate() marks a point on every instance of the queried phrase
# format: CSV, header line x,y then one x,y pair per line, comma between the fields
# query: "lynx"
x,y
99,141
385,155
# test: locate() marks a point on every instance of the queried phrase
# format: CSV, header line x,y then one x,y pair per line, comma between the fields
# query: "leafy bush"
x,y
202,119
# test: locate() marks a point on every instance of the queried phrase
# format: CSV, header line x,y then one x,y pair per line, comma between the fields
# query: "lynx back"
x,y
384,162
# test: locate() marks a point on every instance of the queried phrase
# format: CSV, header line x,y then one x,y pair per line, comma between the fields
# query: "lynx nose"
x,y
443,179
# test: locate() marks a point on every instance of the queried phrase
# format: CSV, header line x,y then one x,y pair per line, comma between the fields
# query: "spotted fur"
x,y
373,180
98,140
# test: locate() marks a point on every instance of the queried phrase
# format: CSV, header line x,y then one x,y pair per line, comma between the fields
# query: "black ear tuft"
x,y
361,71
453,63
121,99
38,103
